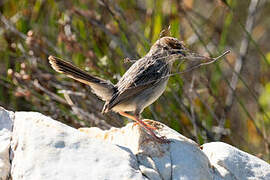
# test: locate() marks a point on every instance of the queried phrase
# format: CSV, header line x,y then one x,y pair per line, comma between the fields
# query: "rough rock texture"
x,y
233,163
42,148
6,122
181,159
47,149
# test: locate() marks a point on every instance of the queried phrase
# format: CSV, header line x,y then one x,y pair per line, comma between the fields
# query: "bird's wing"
x,y
102,88
141,75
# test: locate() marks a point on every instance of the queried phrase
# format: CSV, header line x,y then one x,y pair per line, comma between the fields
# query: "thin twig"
x,y
226,80
187,113
192,109
76,110
242,54
255,43
132,47
102,27
178,56
10,27
248,34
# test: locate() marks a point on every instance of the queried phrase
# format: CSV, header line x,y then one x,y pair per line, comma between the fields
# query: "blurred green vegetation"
x,y
98,35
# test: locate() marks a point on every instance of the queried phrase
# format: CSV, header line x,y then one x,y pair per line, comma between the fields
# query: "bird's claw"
x,y
162,140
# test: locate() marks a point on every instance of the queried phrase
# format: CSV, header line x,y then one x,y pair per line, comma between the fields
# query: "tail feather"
x,y
102,88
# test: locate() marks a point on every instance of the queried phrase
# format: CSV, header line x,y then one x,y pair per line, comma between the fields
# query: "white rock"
x,y
6,123
181,159
233,163
47,149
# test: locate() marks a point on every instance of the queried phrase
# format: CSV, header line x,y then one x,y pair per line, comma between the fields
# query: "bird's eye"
x,y
165,48
178,46
175,45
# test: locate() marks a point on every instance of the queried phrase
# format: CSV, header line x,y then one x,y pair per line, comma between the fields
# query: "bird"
x,y
141,85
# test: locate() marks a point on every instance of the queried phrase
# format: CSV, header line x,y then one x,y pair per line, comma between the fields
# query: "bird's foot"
x,y
162,140
149,129
146,124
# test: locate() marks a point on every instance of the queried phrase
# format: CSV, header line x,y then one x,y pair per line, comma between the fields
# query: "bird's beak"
x,y
204,59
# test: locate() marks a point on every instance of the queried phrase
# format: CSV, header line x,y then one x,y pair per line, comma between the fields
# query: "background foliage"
x,y
227,101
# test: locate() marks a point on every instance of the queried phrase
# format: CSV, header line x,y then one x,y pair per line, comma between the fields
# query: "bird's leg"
x,y
134,119
150,131
145,126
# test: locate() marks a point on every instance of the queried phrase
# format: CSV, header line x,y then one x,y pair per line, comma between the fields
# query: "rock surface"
x,y
181,159
47,149
42,148
233,163
6,122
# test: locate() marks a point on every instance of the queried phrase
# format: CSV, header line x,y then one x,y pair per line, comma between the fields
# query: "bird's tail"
x,y
102,88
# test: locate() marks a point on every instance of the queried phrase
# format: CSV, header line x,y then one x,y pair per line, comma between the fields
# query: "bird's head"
x,y
169,47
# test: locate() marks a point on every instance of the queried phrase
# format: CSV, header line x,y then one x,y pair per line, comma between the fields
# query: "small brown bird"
x,y
141,85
